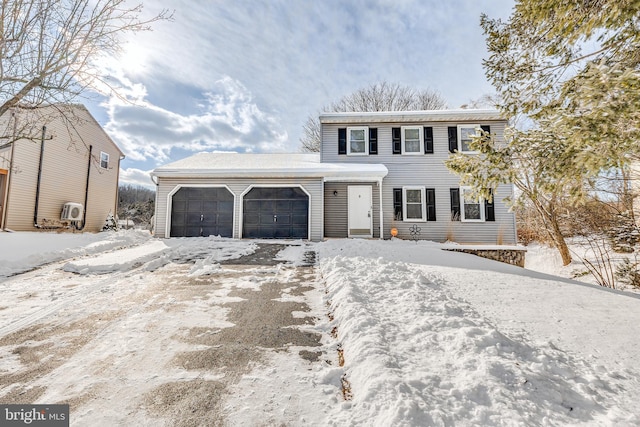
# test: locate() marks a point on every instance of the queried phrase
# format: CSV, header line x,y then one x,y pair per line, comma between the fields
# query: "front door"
x,y
360,214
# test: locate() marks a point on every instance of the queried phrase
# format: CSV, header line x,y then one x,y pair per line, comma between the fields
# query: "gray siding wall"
x,y
427,170
238,186
336,208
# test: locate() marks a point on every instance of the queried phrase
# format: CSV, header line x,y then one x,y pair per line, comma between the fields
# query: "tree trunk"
x,y
559,241
550,220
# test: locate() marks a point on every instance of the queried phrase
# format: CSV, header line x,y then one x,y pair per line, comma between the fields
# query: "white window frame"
x,y
104,157
423,199
420,136
476,127
366,141
480,202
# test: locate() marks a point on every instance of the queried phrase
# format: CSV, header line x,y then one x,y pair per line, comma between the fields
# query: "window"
x,y
465,132
358,141
104,160
414,204
472,210
413,209
411,140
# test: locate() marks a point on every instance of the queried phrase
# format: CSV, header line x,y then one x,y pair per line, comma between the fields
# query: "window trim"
x,y
423,203
481,203
476,127
366,140
104,157
420,130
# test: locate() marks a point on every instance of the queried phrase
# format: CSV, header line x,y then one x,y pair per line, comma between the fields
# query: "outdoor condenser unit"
x,y
72,212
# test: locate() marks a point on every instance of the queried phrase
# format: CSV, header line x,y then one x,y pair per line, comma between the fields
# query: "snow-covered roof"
x,y
233,165
412,116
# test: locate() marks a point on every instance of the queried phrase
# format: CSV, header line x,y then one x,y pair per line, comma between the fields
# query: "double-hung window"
x,y
412,140
472,210
358,141
414,204
104,160
465,132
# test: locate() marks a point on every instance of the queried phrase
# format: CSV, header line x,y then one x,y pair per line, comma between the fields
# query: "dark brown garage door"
x,y
199,211
276,213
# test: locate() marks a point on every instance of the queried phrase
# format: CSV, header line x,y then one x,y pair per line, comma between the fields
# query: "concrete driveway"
x,y
166,347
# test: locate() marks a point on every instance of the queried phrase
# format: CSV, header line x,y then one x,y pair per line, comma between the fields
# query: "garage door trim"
x,y
167,231
251,187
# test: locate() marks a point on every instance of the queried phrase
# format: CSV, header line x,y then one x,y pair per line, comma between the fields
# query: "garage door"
x,y
276,213
199,211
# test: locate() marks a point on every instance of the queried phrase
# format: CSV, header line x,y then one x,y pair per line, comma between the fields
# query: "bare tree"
x,y
50,49
382,96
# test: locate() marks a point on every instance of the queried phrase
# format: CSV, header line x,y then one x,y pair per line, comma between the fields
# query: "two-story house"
x,y
376,172
58,169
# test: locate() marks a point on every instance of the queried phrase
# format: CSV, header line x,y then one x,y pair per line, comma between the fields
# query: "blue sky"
x,y
244,75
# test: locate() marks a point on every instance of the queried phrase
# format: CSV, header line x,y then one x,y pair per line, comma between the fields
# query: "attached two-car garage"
x,y
268,212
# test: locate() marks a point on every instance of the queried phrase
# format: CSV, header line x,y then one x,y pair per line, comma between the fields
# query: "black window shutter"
x,y
431,204
489,211
428,140
373,141
486,128
395,136
453,139
455,204
342,141
397,204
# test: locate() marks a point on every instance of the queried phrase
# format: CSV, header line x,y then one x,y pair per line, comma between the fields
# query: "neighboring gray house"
x,y
376,171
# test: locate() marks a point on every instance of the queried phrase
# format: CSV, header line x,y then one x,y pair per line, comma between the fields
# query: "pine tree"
x,y
572,70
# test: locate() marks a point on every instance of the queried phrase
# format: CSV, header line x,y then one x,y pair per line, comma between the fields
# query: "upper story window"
x,y
104,160
465,132
358,141
412,141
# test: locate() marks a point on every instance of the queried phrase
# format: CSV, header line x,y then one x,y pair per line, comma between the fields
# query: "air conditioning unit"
x,y
71,212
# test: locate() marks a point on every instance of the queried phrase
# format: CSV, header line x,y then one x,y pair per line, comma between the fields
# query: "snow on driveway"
x,y
172,332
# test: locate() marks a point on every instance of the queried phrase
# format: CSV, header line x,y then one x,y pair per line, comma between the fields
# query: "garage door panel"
x,y
282,212
202,211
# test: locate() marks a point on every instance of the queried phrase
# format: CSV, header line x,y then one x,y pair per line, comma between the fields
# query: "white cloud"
x,y
228,119
136,177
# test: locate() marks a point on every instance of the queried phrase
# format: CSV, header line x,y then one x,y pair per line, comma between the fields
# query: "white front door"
x,y
360,217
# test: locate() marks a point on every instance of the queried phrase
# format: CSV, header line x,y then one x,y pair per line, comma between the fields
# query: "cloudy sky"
x,y
244,75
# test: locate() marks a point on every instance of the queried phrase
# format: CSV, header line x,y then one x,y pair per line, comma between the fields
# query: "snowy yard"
x,y
131,330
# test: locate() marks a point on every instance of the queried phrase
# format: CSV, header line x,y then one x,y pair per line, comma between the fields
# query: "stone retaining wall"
x,y
509,256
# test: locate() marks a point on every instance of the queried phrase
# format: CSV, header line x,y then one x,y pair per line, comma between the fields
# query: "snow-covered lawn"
x,y
427,337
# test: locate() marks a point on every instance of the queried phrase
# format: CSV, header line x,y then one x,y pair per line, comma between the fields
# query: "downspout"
x,y
86,192
35,209
380,207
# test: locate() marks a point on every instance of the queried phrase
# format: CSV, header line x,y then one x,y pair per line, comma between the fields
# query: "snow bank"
x,y
23,251
417,352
